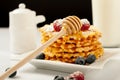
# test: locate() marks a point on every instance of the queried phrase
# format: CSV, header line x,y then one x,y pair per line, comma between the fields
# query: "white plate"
x,y
67,67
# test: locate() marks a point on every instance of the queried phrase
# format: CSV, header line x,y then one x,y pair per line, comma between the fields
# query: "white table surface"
x,y
28,72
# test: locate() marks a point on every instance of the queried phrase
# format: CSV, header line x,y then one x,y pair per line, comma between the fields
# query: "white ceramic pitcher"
x,y
23,29
106,16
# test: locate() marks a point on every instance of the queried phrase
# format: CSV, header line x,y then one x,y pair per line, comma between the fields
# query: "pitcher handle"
x,y
40,19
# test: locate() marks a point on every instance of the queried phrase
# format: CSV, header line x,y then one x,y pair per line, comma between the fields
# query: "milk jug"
x,y
23,29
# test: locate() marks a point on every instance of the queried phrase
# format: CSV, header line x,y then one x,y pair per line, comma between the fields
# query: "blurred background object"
x,y
106,15
52,9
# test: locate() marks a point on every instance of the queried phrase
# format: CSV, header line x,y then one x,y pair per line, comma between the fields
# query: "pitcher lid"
x,y
22,9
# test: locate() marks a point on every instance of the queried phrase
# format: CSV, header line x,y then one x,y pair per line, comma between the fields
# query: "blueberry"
x,y
56,77
59,78
41,56
13,74
80,60
90,59
71,78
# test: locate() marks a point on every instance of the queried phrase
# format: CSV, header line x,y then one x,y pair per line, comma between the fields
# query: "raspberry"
x,y
77,76
85,24
74,76
57,25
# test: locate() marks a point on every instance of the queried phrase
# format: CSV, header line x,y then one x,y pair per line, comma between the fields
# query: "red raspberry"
x,y
57,25
77,76
85,24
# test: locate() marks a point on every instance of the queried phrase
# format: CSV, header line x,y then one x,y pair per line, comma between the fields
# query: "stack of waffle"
x,y
69,47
